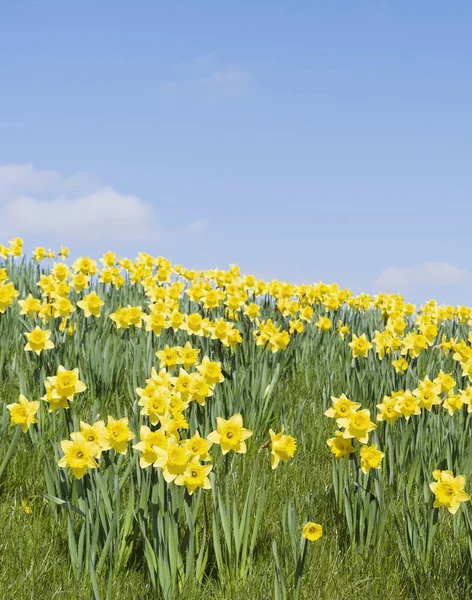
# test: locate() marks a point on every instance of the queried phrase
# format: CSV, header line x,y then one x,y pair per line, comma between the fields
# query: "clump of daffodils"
x,y
61,388
86,446
271,336
8,293
354,423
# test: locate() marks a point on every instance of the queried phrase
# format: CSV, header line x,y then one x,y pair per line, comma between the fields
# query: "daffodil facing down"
x,y
23,413
230,434
448,490
340,446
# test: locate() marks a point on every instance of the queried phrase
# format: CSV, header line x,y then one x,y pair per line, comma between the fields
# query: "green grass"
x,y
34,561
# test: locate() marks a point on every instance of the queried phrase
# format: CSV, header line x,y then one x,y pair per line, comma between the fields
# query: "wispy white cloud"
x,y
206,74
394,279
168,88
103,215
200,225
37,203
204,62
228,82
25,178
19,176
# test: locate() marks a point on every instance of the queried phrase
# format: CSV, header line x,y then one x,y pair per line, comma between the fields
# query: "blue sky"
x,y
305,141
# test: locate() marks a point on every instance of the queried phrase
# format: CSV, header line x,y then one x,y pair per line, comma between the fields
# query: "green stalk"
x,y
11,450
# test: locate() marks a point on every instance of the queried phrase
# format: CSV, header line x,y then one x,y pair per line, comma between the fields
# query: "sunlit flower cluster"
x,y
354,424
